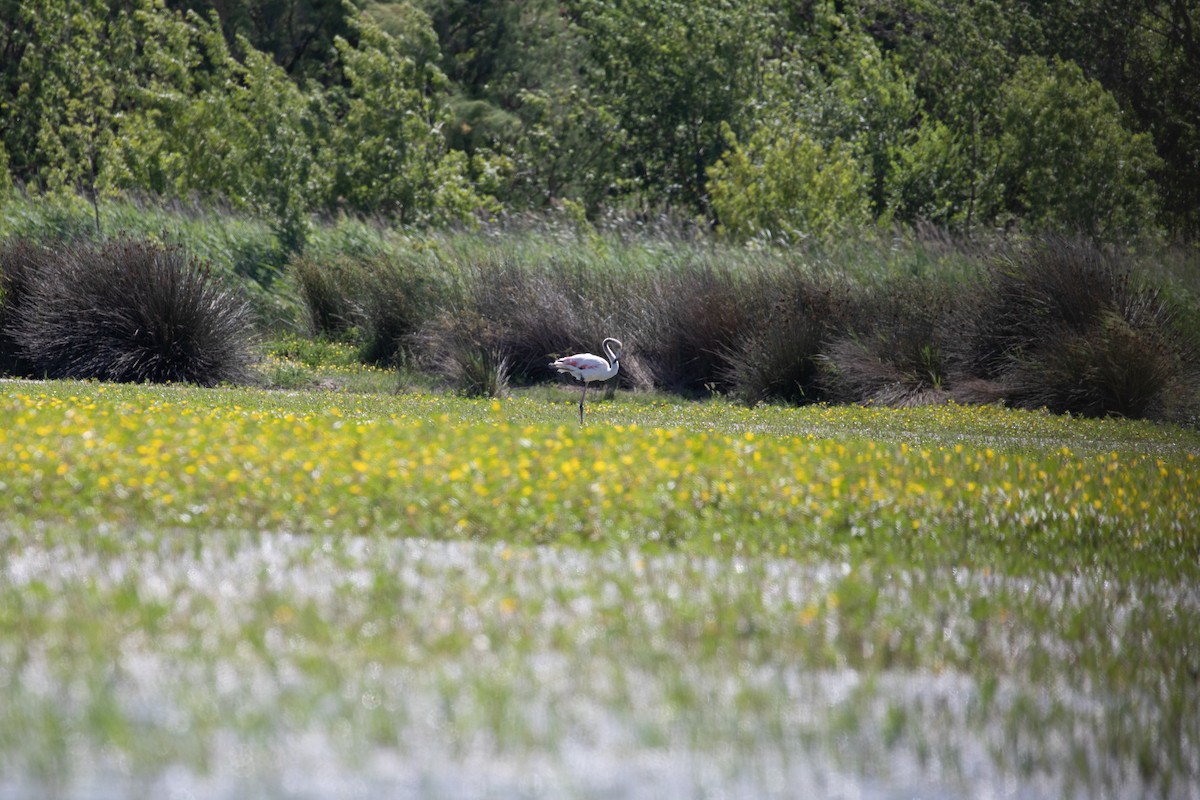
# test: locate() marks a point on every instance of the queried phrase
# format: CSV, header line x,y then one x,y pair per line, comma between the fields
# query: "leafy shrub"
x,y
788,186
396,295
130,311
1067,160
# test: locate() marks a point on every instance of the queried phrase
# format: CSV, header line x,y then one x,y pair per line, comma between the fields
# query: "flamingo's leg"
x,y
582,397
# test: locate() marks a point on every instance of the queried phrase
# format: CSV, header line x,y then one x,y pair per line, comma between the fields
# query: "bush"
x,y
378,300
535,313
689,320
20,260
327,292
396,296
463,348
788,186
130,311
1067,161
531,311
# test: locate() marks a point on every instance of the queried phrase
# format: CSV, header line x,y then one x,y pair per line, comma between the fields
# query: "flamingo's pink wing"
x,y
586,362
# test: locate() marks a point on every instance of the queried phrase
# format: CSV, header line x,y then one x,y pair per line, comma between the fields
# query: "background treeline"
x,y
764,119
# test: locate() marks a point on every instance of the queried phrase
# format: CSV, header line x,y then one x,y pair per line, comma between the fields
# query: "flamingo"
x,y
587,367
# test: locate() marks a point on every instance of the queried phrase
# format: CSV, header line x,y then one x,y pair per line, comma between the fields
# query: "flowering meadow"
x,y
203,590
1010,488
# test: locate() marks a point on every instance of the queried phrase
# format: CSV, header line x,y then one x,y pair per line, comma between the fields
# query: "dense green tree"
x,y
674,72
14,39
177,138
931,177
851,90
1067,161
387,145
67,98
784,185
832,113
275,152
6,183
567,148
960,55
1146,53
1078,115
297,34
520,89
201,121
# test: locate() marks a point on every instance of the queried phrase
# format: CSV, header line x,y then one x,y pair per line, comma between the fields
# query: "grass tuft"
x,y
779,358
892,350
462,348
129,311
1068,327
20,261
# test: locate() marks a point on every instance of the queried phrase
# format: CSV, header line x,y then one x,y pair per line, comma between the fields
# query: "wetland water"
x,y
242,665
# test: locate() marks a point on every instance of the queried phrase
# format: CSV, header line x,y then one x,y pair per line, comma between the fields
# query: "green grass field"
x,y
233,593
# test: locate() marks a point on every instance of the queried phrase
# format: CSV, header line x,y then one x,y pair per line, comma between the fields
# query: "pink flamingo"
x,y
587,367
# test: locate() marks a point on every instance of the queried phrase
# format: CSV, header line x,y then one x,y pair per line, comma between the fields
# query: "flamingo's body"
x,y
588,368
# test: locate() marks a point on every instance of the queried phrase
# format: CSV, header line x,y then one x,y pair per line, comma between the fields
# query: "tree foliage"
x,y
1067,162
784,184
754,116
387,145
674,72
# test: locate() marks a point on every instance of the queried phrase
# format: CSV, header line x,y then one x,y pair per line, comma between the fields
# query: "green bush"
x,y
394,298
377,300
785,185
1068,163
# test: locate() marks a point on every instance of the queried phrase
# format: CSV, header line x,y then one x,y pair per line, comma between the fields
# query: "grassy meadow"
x,y
234,592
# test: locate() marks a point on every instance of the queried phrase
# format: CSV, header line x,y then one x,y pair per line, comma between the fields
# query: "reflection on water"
x,y
276,666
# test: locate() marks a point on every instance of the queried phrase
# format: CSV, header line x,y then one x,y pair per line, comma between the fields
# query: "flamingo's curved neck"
x,y
612,356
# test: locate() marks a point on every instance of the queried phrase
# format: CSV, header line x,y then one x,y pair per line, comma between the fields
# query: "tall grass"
x,y
890,318
1069,326
20,262
892,347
